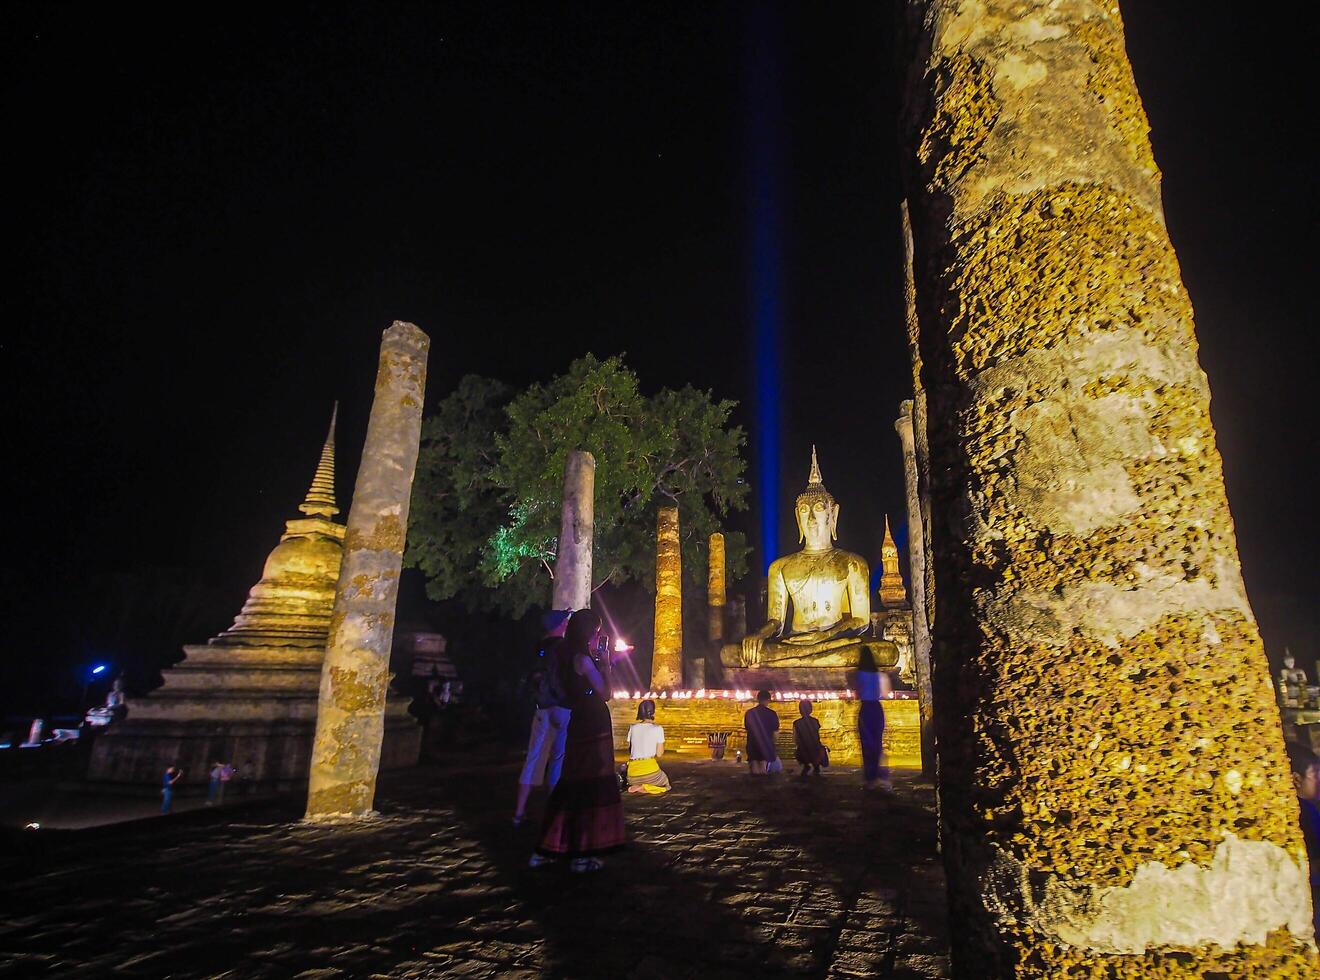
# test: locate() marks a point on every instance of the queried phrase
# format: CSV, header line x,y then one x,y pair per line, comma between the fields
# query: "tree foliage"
x,y
486,504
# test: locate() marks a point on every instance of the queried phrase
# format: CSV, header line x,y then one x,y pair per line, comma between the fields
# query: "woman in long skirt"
x,y
584,815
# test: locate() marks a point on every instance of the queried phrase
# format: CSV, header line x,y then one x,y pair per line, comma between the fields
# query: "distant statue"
x,y
1292,684
829,592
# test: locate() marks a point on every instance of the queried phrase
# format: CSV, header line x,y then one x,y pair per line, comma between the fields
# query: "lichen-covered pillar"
x,y
1114,788
667,660
917,573
577,525
716,597
350,715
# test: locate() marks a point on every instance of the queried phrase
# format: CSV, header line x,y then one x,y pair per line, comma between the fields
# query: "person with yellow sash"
x,y
646,743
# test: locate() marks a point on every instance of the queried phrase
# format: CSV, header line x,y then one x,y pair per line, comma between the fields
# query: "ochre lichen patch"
x,y
387,535
353,692
964,111
1112,82
1054,265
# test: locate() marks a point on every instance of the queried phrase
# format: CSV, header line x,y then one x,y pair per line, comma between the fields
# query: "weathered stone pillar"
x,y
917,572
350,718
667,661
577,525
715,591
1114,789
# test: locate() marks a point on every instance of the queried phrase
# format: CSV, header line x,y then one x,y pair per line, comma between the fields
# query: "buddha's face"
x,y
817,522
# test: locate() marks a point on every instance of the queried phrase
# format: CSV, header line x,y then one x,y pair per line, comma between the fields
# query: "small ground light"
x,y
99,669
32,826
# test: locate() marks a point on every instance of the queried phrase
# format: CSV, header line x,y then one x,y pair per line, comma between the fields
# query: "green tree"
x,y
486,505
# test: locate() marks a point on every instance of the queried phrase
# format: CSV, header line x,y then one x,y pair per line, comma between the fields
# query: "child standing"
x,y
806,734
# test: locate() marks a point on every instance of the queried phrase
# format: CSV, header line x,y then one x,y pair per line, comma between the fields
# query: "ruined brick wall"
x,y
1115,794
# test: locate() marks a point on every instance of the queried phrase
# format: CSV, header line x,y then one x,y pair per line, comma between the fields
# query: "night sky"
x,y
211,221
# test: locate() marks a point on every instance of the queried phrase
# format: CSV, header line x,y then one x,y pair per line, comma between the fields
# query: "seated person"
x,y
806,735
646,743
761,724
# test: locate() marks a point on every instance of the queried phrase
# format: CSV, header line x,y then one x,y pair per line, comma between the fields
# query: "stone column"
x,y
1114,788
715,591
917,573
350,716
572,588
667,661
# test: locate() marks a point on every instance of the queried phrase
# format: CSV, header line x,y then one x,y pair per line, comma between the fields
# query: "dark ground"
x,y
726,876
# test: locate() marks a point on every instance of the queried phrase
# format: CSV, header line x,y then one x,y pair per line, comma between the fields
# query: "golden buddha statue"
x,y
829,590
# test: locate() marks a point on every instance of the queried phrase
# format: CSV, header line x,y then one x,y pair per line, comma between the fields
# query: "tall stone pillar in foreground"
x,y
917,573
577,526
667,661
1114,789
354,677
716,596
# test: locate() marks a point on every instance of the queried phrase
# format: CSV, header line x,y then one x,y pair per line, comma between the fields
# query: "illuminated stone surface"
x,y
917,567
572,589
827,590
687,721
727,875
350,716
249,695
1113,782
716,594
667,661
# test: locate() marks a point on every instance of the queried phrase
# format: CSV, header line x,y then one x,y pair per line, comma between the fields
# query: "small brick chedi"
x,y
248,696
1114,788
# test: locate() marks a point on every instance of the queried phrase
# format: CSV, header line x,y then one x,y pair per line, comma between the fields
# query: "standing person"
x,y
215,791
646,744
761,724
806,736
1306,780
172,775
226,774
584,815
545,746
871,686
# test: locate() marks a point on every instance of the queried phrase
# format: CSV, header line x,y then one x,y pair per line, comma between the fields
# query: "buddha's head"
x,y
816,512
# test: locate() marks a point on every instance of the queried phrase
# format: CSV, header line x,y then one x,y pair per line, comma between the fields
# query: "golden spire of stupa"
x,y
321,494
893,592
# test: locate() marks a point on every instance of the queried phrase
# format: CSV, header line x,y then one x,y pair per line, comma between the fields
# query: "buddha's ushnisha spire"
x,y
320,500
814,480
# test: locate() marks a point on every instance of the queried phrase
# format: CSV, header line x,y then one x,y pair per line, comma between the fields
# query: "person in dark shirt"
x,y
761,723
806,737
1306,779
545,746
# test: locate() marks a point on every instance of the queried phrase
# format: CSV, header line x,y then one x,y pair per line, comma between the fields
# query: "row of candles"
x,y
738,695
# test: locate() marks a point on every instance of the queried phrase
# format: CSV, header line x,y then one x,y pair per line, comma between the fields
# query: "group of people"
x,y
571,747
761,723
220,776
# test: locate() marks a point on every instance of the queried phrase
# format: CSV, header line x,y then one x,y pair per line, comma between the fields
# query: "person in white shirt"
x,y
646,743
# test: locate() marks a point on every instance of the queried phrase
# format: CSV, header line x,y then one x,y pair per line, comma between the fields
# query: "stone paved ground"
x,y
726,877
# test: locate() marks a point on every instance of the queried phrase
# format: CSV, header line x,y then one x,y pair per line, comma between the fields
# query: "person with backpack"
x,y
545,746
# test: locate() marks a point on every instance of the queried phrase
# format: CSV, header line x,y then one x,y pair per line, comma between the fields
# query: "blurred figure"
x,y
1306,780
761,724
545,745
872,685
646,744
172,775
